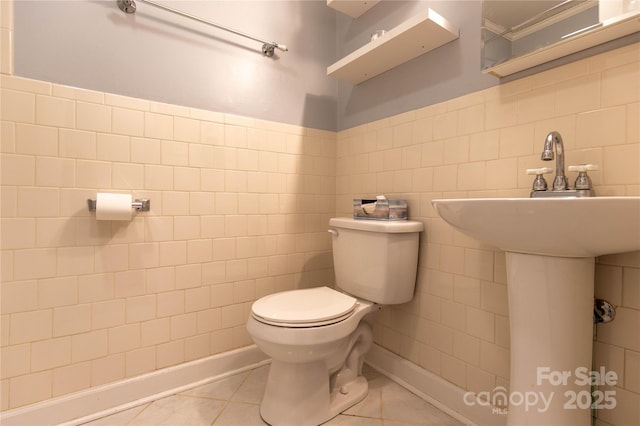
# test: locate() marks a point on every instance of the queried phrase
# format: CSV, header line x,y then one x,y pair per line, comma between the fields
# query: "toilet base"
x,y
301,397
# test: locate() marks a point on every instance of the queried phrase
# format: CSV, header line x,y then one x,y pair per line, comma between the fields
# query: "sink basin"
x,y
567,227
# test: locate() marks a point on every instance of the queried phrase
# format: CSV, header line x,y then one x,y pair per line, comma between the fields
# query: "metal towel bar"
x,y
268,47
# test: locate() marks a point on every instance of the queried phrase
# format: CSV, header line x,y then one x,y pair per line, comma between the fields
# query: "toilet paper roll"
x,y
113,206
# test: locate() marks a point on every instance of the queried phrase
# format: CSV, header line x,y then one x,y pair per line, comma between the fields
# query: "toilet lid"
x,y
299,308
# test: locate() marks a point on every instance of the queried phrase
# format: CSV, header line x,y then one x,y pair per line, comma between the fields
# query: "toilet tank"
x,y
376,260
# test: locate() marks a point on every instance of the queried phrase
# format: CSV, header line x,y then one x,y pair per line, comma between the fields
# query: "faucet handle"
x,y
583,181
583,168
540,171
539,183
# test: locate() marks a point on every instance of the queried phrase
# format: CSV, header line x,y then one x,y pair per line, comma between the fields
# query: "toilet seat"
x,y
311,307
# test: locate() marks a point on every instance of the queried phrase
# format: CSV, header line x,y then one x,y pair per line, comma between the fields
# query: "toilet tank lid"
x,y
386,226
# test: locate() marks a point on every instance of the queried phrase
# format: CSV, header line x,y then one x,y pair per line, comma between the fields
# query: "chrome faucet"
x,y
560,183
560,187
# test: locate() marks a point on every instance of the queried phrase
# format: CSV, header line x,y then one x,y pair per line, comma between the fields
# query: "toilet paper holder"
x,y
140,204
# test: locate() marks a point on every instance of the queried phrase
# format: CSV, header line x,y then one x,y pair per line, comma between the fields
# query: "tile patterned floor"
x,y
235,401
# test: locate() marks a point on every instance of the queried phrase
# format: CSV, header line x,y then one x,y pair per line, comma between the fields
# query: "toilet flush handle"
x,y
333,232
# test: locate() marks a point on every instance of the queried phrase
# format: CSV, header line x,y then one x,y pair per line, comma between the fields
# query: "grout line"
x,y
147,405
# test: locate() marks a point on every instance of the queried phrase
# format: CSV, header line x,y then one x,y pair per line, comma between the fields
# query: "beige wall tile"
x,y
111,147
34,263
93,174
240,208
25,84
158,126
76,93
625,334
127,176
186,129
92,116
56,292
630,288
30,388
17,169
55,172
578,94
18,106
445,125
140,308
494,359
140,361
197,347
174,153
158,177
19,296
52,353
71,378
536,105
107,314
620,85
89,346
626,164
70,320
30,326
51,111
7,137
500,112
6,56
516,141
15,360
127,122
18,233
632,371
124,338
36,140
107,369
170,353
201,155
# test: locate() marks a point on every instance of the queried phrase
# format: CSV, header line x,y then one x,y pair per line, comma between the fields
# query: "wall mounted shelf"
x,y
353,8
412,38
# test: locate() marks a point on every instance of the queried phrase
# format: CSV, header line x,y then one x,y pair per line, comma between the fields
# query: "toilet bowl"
x,y
315,365
317,338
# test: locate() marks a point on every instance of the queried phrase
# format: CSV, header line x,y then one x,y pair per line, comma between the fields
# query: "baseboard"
x,y
444,395
100,401
91,404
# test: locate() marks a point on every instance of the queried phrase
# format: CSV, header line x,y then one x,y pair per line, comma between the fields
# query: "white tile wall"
x,y
239,209
480,145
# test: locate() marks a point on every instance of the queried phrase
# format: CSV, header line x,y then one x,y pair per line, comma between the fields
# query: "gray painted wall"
x,y
160,56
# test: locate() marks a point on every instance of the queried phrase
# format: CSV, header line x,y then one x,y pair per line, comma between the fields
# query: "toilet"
x,y
317,337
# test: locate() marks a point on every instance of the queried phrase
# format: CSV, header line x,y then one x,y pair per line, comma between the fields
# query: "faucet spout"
x,y
554,140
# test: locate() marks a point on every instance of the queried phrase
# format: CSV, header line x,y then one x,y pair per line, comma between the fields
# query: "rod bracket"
x,y
127,6
268,49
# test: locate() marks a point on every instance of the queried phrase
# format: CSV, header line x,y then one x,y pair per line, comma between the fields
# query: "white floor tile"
x,y
235,401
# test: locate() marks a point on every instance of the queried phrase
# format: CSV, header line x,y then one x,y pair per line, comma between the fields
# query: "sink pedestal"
x,y
550,291
551,329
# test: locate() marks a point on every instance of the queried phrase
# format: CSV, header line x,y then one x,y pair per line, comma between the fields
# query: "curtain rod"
x,y
268,47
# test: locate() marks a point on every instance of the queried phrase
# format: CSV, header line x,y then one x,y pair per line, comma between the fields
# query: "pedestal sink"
x,y
550,246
